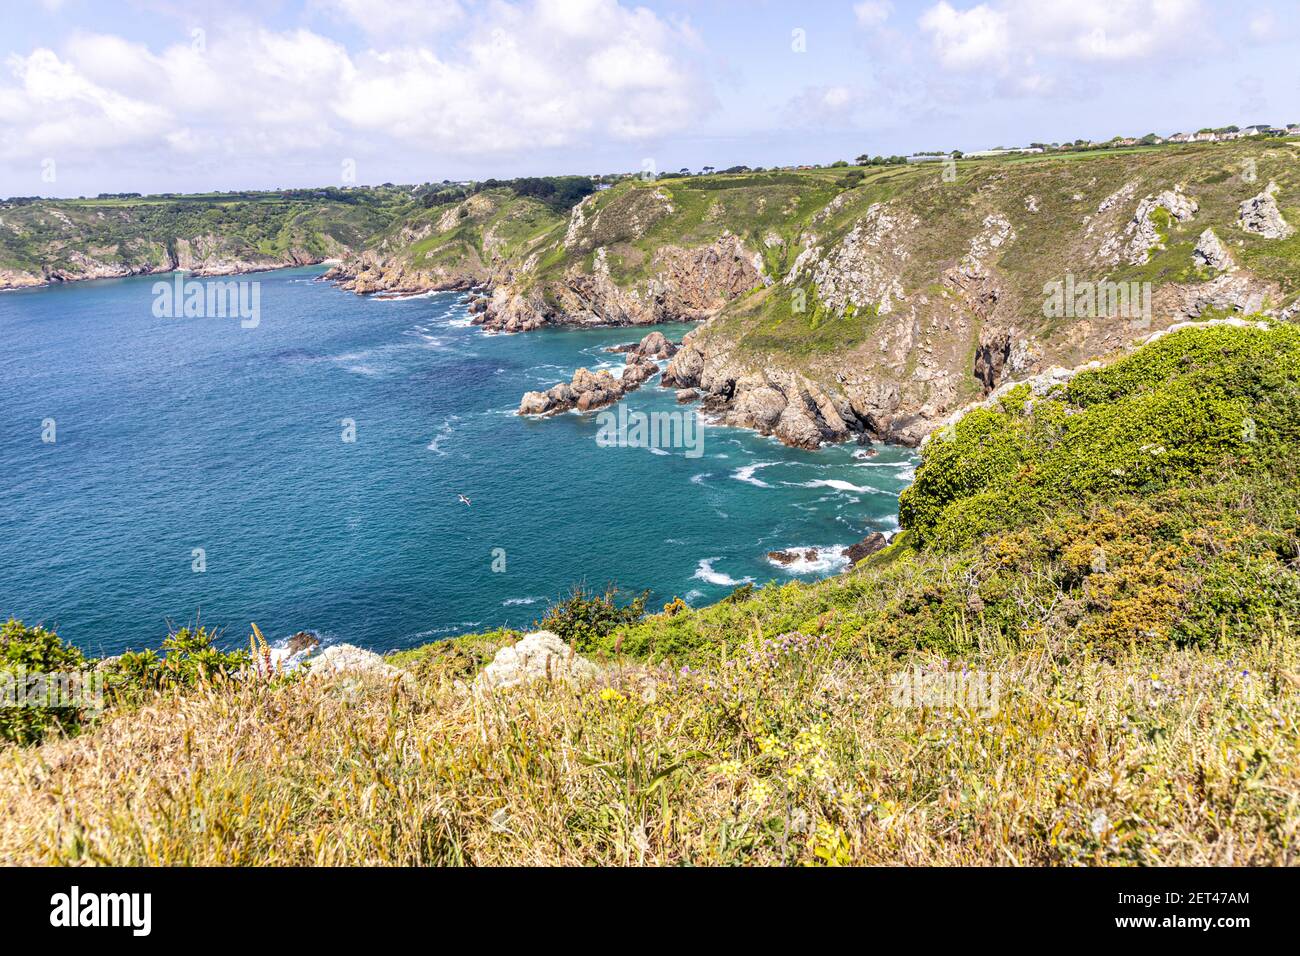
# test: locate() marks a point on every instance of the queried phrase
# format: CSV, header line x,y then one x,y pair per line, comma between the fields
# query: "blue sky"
x,y
150,95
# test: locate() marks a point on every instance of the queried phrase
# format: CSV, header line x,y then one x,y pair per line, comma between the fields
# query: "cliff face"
x,y
841,303
71,240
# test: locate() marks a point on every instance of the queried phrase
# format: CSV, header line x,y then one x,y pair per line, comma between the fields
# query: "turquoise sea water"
x,y
176,434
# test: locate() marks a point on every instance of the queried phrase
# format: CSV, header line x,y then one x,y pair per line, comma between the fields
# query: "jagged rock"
x,y
685,368
991,357
758,408
687,395
638,371
541,655
303,641
866,547
1260,215
589,390
654,346
797,427
1235,291
1142,227
1211,252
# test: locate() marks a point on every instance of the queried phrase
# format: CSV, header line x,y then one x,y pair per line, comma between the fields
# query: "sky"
x,y
196,95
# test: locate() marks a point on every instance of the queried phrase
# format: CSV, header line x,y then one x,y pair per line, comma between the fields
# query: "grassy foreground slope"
x,y
1082,650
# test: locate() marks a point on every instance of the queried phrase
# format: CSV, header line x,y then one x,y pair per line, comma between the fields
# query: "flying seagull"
x,y
463,499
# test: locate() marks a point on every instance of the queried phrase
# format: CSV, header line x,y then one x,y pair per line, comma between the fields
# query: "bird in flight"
x,y
463,499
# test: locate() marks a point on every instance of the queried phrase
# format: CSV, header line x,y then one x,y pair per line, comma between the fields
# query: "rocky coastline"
x,y
199,268
588,390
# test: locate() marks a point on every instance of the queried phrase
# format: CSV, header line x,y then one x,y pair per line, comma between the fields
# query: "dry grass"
x,y
793,752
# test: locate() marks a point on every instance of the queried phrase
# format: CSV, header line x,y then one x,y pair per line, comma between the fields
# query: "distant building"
x,y
1206,136
1182,138
1003,152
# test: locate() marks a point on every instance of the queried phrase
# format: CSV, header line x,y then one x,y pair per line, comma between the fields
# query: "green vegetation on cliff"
x,y
72,239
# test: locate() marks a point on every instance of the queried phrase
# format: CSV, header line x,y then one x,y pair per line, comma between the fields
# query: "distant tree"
x,y
838,164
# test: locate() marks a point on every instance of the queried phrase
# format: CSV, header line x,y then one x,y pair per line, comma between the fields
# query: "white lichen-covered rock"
x,y
863,269
541,655
1142,229
1232,291
350,659
1210,251
1260,215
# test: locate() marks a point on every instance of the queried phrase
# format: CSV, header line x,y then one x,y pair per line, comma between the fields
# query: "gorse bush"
x,y
25,652
584,620
1198,402
189,656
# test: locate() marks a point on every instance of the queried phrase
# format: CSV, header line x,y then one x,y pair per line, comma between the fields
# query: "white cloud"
x,y
53,107
1011,35
397,18
548,73
872,13
967,39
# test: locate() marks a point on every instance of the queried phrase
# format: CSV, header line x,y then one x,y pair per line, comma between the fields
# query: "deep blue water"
x,y
174,434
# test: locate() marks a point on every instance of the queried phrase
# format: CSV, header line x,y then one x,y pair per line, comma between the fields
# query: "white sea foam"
x,y
513,602
401,296
705,572
445,431
746,474
836,483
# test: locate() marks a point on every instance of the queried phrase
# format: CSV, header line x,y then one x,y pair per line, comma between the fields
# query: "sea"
x,y
353,466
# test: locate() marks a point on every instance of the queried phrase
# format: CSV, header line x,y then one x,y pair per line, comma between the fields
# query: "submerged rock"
x,y
302,642
541,655
790,556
